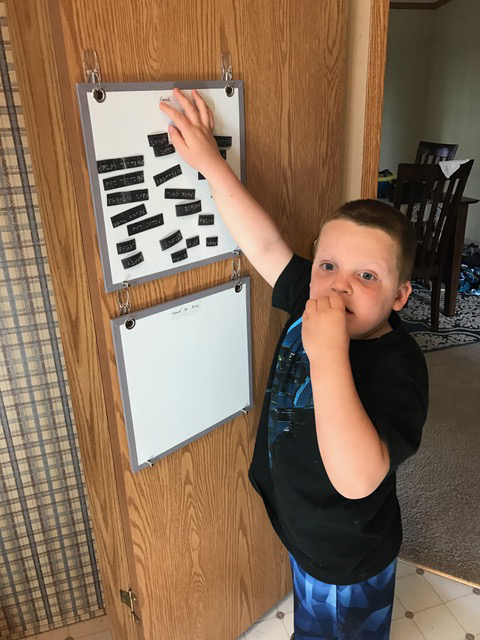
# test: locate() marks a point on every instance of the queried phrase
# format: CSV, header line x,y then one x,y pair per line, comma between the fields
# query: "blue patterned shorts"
x,y
361,611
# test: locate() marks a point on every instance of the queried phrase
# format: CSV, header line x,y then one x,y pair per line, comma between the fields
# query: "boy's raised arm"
x,y
252,227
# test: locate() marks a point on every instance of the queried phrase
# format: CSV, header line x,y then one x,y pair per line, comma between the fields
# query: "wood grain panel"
x,y
201,553
36,66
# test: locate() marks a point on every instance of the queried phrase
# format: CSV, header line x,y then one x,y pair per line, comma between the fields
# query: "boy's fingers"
x,y
177,139
179,118
190,110
203,110
336,301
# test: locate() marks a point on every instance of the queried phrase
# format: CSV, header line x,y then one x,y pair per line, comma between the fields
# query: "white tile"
x,y
439,624
446,588
286,605
398,609
288,624
268,615
272,629
405,629
404,569
467,611
415,593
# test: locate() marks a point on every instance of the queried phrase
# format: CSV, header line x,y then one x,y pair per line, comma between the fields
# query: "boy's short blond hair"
x,y
378,215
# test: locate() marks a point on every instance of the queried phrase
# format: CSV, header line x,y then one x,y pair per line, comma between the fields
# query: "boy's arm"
x,y
254,230
354,456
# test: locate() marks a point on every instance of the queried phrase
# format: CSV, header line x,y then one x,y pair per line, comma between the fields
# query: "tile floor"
x,y
426,607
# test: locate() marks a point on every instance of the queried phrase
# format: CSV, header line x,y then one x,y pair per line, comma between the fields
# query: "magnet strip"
x,y
145,225
171,240
131,261
193,242
158,139
127,246
180,194
125,180
124,197
200,177
163,150
179,255
223,141
212,241
162,177
115,164
223,153
188,208
206,219
128,215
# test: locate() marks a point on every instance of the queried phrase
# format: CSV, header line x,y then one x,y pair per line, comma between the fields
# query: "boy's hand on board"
x,y
324,328
192,134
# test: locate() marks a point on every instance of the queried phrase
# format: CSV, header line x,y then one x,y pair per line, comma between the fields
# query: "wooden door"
x,y
189,536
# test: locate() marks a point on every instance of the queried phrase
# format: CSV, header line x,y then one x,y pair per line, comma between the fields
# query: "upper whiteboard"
x,y
155,214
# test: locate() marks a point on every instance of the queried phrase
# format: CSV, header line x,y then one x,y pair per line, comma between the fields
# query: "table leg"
x,y
454,260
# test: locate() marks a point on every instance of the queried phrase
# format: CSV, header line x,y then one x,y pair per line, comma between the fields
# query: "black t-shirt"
x,y
335,539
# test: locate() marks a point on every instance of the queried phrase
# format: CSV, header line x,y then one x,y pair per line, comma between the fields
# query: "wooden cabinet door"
x,y
189,536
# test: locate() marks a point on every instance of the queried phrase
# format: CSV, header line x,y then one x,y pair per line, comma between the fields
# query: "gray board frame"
x,y
116,323
83,89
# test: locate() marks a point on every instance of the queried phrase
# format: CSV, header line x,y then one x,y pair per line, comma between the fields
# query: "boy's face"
x,y
359,263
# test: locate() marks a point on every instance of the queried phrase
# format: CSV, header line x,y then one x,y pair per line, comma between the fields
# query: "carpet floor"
x,y
439,487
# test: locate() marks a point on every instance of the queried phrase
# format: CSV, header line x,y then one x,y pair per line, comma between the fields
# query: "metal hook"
x,y
91,70
236,264
227,73
124,299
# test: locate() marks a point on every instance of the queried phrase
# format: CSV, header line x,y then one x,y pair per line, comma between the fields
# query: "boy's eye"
x,y
368,274
327,264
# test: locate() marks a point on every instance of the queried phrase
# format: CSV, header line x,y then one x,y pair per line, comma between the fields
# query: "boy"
x,y
346,397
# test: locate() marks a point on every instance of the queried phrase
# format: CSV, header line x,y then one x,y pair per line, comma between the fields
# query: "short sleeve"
x,y
398,406
292,287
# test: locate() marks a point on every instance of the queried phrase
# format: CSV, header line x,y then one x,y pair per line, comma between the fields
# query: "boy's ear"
x,y
402,296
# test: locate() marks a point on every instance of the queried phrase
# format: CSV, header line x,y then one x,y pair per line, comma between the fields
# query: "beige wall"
x,y
432,88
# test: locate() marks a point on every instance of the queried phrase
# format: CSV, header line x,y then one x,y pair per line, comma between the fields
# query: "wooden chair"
x,y
434,152
433,227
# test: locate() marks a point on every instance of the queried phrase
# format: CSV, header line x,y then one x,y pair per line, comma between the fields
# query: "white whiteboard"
x,y
116,132
184,369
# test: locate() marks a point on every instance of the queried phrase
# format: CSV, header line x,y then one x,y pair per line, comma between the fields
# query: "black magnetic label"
x,y
200,177
179,255
124,197
127,246
125,180
115,164
163,150
173,172
223,142
212,241
188,208
158,139
131,261
171,240
206,219
193,242
180,194
223,153
129,215
145,225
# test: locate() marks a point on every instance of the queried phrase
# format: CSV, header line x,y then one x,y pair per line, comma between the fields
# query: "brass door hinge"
x,y
129,598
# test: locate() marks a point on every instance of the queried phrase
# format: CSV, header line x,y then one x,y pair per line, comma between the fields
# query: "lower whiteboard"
x,y
184,369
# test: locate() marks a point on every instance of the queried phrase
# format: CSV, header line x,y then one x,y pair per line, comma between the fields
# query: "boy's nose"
x,y
342,287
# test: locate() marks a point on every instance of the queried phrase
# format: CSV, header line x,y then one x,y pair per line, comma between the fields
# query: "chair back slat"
x,y
434,199
434,152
